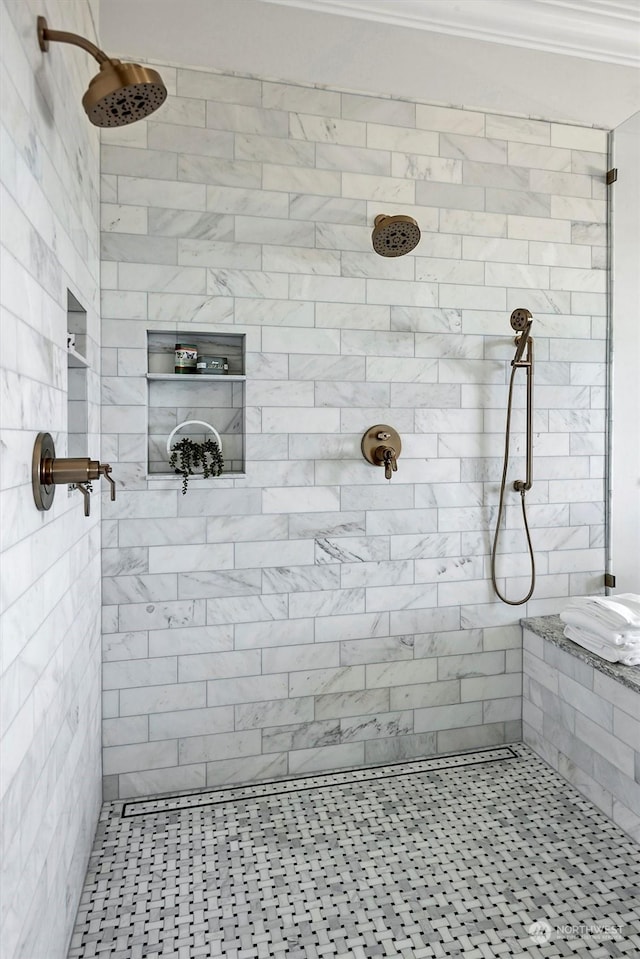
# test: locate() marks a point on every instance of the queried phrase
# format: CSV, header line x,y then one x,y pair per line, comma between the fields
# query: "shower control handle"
x,y
388,456
381,446
49,471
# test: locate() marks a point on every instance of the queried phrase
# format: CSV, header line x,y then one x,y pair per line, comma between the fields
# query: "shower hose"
x,y
511,602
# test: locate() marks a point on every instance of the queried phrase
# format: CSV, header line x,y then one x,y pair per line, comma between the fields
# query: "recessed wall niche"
x,y
175,398
77,401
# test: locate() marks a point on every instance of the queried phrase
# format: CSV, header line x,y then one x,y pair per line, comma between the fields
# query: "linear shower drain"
x,y
150,807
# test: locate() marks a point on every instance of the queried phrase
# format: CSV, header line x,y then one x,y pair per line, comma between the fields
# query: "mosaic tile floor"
x,y
482,855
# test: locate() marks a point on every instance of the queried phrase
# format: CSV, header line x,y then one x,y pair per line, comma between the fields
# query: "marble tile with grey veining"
x,y
226,583
304,206
281,579
305,126
369,728
301,736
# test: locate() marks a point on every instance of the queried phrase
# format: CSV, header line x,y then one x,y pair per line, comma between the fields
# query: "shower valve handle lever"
x,y
389,459
85,489
105,469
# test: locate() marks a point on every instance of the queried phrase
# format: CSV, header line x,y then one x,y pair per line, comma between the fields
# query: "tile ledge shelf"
x,y
551,628
76,360
201,377
163,477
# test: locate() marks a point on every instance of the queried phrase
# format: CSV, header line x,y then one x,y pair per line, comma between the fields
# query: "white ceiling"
x,y
606,30
480,54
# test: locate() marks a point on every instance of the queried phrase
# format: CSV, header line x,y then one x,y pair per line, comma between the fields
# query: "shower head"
x,y
121,93
520,319
395,235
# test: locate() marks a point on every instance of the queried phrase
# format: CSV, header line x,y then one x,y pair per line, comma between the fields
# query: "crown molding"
x,y
606,30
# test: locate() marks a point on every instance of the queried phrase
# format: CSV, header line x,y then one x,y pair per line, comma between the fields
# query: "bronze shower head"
x,y
395,235
121,93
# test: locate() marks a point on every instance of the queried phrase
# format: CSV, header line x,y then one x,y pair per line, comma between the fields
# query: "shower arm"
x,y
525,341
45,36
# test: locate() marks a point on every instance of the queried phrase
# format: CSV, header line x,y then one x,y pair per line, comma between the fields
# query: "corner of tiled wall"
x,y
310,615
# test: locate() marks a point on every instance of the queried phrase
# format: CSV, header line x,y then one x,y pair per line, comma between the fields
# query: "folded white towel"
x,y
629,654
617,613
586,620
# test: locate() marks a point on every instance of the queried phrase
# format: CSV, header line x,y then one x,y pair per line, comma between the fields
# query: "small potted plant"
x,y
189,457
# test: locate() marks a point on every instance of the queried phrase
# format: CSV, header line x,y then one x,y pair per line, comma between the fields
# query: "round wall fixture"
x,y
395,235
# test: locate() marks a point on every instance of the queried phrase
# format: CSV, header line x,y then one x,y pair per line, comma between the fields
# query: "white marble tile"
x,y
291,259
183,111
285,96
427,320
212,171
304,206
451,195
586,280
183,139
300,180
267,149
328,602
413,166
179,559
247,689
274,553
577,208
520,129
402,293
299,420
378,110
304,126
517,202
383,137
579,138
351,626
191,639
351,549
211,86
370,728
116,218
133,161
400,597
446,120
241,255
190,722
256,716
194,749
473,223
282,633
247,119
384,189
539,228
247,609
230,282
140,756
448,717
139,191
353,159
135,616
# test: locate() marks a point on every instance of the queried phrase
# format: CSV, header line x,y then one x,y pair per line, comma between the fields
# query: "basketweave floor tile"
x,y
483,855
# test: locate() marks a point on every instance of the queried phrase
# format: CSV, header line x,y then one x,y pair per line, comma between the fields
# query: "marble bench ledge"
x,y
551,628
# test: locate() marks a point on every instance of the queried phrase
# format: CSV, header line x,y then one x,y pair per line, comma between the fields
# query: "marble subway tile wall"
x,y
50,788
309,615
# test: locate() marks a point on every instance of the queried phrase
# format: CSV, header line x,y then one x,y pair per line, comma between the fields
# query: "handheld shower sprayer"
x,y
521,321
